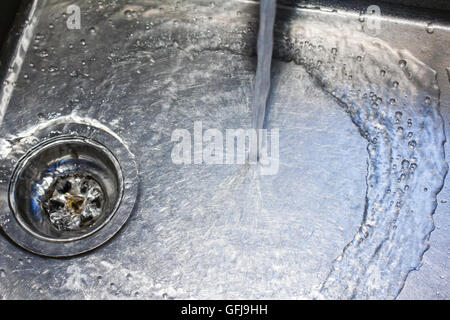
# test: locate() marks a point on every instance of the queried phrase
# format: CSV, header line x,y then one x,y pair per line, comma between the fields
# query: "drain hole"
x,y
74,202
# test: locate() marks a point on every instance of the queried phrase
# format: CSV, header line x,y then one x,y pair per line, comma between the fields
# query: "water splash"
x,y
393,99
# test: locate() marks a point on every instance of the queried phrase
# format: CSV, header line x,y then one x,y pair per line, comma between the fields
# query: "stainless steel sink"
x,y
320,227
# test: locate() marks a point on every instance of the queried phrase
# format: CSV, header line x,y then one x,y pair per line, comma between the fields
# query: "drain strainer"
x,y
71,193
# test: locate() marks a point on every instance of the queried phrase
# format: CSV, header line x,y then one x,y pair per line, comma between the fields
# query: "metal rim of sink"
x,y
100,157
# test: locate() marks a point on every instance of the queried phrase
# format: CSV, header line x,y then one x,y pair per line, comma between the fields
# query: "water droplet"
x,y
43,53
430,28
405,165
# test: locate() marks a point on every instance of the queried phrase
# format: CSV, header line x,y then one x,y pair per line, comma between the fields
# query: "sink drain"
x,y
74,201
71,193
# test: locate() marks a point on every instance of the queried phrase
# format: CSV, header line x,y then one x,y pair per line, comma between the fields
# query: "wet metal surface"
x,y
141,69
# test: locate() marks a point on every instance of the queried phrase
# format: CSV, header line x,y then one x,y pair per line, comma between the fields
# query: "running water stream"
x,y
262,82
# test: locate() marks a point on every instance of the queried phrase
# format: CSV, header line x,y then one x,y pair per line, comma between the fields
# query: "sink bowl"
x,y
361,99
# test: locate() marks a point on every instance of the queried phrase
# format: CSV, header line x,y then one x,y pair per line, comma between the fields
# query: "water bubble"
x,y
395,84
92,31
402,63
83,42
412,144
427,100
51,26
2,273
334,51
392,101
382,73
409,122
398,115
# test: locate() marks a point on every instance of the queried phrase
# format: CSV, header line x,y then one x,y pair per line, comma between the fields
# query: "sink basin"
x,y
355,93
